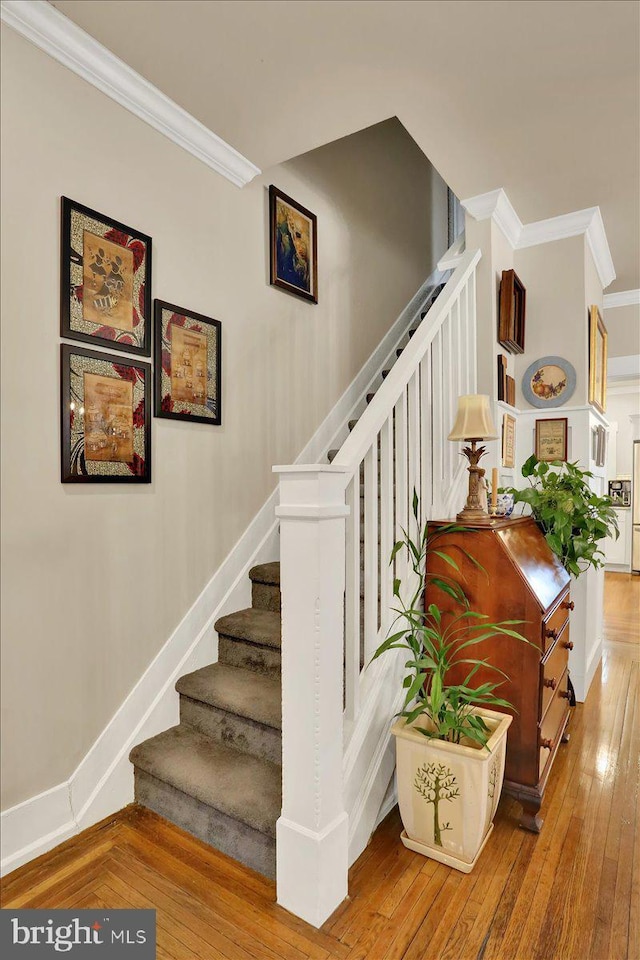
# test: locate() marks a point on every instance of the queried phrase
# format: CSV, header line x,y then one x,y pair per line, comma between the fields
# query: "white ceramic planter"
x,y
448,792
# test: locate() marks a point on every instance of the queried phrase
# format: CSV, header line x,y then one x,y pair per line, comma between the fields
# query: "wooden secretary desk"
x,y
522,580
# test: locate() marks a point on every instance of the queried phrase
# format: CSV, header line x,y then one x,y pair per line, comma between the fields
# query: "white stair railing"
x,y
338,523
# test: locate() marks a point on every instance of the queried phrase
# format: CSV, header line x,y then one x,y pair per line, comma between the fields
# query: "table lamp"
x,y
473,423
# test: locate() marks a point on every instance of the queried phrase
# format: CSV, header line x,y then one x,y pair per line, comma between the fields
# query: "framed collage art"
x,y
188,365
105,287
105,417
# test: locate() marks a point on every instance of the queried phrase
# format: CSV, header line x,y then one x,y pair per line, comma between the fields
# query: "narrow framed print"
x,y
597,360
293,241
551,439
508,441
188,365
105,417
105,281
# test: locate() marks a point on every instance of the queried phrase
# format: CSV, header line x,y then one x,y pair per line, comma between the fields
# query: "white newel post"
x,y
312,832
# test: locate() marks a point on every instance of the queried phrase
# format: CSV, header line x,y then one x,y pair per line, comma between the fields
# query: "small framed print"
x,y
551,439
597,360
508,441
188,365
106,417
105,286
293,242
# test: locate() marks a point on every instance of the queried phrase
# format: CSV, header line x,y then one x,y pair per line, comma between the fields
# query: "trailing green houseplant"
x,y
571,516
436,644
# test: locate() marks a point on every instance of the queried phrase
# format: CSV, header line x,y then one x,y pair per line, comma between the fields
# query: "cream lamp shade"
x,y
474,420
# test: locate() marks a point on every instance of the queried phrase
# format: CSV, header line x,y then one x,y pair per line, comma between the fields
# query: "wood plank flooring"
x,y
622,592
571,893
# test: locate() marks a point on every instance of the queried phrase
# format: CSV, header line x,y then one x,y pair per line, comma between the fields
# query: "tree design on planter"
x,y
493,779
435,782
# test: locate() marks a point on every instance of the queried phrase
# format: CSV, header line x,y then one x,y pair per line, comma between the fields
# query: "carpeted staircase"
x,y
218,773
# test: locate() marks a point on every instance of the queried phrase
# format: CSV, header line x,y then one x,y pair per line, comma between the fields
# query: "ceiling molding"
x,y
626,298
60,38
496,205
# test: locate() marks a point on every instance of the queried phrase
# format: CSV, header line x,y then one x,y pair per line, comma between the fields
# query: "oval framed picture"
x,y
549,382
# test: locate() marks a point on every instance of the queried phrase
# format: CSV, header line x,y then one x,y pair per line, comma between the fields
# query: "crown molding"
x,y
626,298
59,37
496,205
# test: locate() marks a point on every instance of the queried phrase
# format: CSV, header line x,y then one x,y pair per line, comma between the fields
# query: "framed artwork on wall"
x,y
293,243
511,312
105,417
549,382
508,441
597,360
551,439
188,365
105,285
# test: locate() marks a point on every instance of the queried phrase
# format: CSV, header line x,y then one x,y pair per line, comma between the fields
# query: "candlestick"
x,y
494,487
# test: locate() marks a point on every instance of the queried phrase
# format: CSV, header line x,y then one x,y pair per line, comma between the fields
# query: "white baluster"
x,y
426,439
371,547
386,521
401,495
352,601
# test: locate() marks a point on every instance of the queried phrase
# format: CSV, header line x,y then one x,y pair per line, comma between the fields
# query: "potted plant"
x,y
450,744
571,516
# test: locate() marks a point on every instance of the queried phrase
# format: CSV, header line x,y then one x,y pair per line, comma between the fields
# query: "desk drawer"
x,y
552,723
553,668
552,626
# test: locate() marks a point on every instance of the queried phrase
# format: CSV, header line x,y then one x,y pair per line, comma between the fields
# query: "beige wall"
x,y
623,327
556,320
97,577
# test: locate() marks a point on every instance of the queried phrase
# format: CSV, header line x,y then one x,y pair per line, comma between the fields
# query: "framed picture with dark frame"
x,y
188,365
512,312
597,360
551,439
293,245
105,281
105,417
508,441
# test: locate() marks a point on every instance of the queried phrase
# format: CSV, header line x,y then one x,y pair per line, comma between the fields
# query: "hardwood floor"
x,y
570,893
622,602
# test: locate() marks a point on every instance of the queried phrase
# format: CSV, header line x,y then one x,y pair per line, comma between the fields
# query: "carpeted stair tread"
x,y
237,784
241,692
262,627
266,573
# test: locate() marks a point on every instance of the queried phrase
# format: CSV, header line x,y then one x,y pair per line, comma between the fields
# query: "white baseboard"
x,y
103,781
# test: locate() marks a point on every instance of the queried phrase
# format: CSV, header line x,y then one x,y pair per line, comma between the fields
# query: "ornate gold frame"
x,y
597,392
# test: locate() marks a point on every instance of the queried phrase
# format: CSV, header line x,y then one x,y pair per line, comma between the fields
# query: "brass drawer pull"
x,y
547,744
550,682
568,605
568,644
551,632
